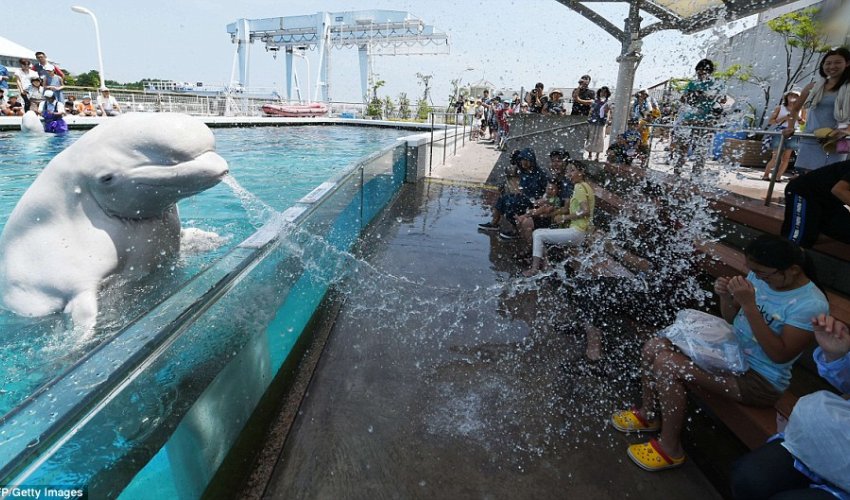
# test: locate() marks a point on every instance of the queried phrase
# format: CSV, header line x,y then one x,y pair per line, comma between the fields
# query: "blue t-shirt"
x,y
4,83
792,307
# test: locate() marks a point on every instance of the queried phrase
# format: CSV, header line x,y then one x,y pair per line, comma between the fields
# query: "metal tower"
x,y
372,32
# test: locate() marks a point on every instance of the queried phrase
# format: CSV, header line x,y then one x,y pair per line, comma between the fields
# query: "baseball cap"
x,y
48,93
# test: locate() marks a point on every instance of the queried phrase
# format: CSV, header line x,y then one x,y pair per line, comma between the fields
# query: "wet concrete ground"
x,y
440,380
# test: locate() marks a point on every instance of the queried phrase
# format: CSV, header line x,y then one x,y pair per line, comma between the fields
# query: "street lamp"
x,y
83,10
301,53
459,77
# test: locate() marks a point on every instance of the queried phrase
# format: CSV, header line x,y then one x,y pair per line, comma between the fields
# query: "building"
x,y
762,50
10,52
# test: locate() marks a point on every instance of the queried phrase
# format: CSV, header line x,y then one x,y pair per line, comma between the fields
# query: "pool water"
x,y
276,165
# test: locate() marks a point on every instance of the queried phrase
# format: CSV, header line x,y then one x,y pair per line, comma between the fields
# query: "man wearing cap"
x,y
53,111
582,97
107,105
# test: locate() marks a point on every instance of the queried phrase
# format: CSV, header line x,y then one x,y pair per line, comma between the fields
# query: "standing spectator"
x,y
598,120
555,104
33,93
702,103
779,120
107,105
53,82
41,65
815,203
582,97
645,110
23,76
828,105
535,99
4,77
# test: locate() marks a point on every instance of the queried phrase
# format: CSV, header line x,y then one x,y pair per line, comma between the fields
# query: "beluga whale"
x,y
105,207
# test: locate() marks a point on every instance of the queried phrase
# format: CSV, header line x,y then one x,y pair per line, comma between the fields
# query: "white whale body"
x,y
31,123
103,207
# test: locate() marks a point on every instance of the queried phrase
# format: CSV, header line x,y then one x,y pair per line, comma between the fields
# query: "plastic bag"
x,y
818,435
708,340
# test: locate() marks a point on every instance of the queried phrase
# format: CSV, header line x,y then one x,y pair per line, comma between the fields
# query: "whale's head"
x,y
138,165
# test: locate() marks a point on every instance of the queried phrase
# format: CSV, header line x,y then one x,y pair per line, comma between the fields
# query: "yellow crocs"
x,y
632,421
649,456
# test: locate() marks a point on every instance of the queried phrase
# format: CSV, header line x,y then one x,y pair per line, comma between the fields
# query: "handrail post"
x,y
455,137
463,137
776,166
431,154
445,137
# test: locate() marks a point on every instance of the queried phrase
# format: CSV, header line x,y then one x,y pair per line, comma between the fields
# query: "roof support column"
x,y
288,64
363,52
629,59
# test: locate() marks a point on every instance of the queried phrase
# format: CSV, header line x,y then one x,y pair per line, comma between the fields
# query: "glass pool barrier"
x,y
154,410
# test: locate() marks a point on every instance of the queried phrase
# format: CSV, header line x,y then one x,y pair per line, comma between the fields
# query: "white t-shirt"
x,y
108,103
24,77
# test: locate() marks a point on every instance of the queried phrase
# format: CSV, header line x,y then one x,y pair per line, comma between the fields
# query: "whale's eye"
x,y
106,179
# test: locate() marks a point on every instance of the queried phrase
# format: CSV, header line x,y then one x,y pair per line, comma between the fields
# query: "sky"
x,y
512,44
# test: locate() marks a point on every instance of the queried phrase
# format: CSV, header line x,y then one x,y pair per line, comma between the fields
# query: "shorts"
x,y
756,390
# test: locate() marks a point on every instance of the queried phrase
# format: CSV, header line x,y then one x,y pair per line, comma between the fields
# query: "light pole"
x,y
459,77
83,10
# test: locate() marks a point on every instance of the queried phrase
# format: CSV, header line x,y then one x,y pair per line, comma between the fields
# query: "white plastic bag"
x,y
708,340
819,435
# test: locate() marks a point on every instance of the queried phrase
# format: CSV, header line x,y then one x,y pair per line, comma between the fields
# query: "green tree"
x,y
375,104
423,108
802,33
389,107
403,106
89,79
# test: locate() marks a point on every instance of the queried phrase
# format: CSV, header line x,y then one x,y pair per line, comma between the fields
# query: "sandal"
x,y
651,457
632,421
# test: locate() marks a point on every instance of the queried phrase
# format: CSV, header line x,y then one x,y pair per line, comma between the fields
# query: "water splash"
x,y
258,211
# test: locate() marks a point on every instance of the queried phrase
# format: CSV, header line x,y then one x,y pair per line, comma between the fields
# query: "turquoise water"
x,y
277,165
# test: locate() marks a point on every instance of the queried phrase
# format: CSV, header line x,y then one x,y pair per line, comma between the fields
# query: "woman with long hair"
x,y
598,119
827,102
771,311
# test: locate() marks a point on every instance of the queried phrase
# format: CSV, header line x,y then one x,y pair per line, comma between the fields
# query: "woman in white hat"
x,y
780,118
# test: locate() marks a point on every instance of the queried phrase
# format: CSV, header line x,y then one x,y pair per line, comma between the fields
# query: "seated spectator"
x,y
574,221
53,112
532,184
13,107
808,460
815,203
770,310
628,148
555,104
71,105
107,105
527,223
87,107
536,99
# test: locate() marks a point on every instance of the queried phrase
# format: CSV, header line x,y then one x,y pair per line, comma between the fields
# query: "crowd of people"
x,y
775,312
39,87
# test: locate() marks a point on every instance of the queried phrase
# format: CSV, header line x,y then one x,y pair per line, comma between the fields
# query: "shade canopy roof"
x,y
688,16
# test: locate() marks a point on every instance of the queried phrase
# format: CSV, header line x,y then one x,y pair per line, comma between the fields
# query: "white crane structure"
x,y
372,32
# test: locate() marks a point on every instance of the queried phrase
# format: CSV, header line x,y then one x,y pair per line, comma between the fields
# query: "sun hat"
x,y
556,91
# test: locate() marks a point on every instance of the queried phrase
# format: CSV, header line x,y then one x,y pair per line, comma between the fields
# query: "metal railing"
x,y
454,127
777,154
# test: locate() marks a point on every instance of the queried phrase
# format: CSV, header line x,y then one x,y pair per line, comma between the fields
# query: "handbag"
x,y
831,144
708,340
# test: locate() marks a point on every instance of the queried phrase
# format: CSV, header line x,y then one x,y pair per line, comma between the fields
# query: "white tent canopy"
x,y
11,51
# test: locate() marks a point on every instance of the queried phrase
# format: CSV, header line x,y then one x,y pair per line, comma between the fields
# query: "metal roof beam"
x,y
595,18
